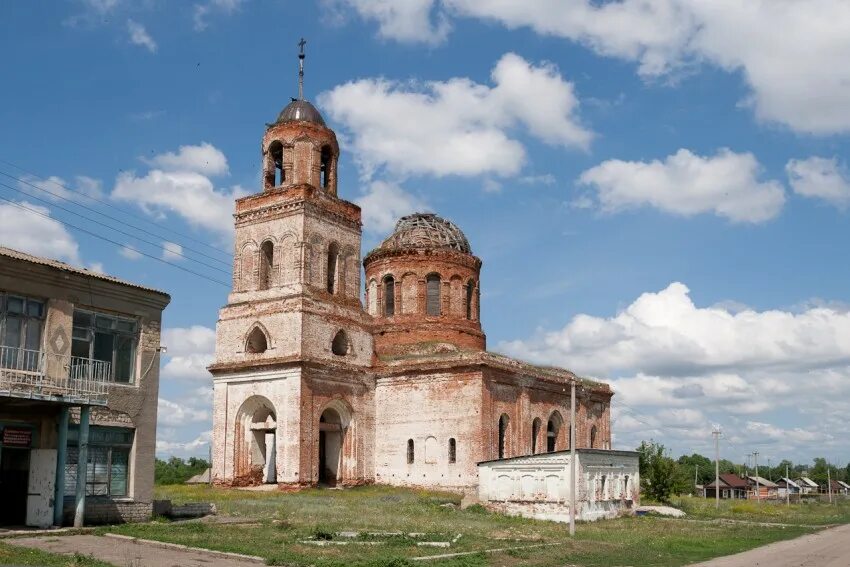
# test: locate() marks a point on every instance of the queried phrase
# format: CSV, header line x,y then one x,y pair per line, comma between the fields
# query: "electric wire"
x,y
157,244
90,233
111,206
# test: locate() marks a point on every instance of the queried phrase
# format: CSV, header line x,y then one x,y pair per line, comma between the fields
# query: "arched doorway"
x,y
333,427
256,441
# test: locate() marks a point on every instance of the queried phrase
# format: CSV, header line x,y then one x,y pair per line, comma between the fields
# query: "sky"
x,y
658,189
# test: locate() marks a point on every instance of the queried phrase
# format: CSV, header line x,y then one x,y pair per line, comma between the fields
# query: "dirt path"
x,y
129,553
827,548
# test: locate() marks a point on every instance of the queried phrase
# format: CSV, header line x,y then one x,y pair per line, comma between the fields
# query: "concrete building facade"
x,y
313,386
79,380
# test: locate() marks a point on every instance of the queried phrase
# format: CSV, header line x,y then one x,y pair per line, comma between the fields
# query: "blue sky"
x,y
657,188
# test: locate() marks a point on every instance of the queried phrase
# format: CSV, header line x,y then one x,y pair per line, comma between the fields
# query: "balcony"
x,y
37,375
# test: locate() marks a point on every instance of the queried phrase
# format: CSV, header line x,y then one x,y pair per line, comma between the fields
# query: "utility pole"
x,y
572,457
716,434
756,464
828,482
769,473
787,488
696,477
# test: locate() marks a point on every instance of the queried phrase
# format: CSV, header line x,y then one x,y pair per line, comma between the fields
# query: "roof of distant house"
x,y
56,264
787,482
762,481
731,480
807,481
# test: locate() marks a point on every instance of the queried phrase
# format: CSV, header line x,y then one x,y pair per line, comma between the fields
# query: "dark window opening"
x,y
389,296
551,435
103,347
432,302
21,322
452,450
593,437
410,451
470,291
333,260
257,342
325,167
266,264
277,175
535,433
503,432
340,345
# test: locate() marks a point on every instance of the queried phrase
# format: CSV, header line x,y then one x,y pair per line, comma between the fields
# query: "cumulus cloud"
x,y
203,158
411,21
193,447
726,184
56,188
180,183
676,368
384,202
172,251
462,127
37,233
202,11
822,178
129,252
763,41
140,36
180,414
190,351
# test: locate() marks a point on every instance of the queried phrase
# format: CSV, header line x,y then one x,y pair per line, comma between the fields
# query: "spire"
x,y
301,57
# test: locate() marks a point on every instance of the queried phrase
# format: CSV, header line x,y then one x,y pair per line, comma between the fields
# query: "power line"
x,y
111,206
157,244
90,233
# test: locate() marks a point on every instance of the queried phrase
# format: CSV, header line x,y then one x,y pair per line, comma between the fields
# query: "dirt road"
x,y
826,548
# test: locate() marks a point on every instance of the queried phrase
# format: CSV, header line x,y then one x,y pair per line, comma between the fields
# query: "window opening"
x,y
257,342
21,323
432,306
278,175
107,471
333,259
340,345
503,431
535,433
266,264
593,437
452,450
103,346
410,451
325,167
470,289
389,296
552,429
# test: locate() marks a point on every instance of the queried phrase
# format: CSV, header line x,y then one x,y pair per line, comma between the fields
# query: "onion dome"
x,y
426,231
300,110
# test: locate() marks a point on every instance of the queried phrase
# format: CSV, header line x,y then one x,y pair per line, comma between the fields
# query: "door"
x,y
42,478
14,463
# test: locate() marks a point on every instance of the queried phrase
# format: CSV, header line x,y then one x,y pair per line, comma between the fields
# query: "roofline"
x,y
613,452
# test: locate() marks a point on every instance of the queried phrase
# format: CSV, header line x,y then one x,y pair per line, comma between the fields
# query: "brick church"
x,y
314,386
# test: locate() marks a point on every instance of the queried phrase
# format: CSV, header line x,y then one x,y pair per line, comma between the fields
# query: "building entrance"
x,y
14,479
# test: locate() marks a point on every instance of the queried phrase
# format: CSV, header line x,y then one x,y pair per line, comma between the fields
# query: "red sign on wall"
x,y
16,437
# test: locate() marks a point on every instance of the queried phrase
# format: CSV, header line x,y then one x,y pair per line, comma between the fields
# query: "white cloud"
x,y
140,36
190,351
202,11
764,41
462,127
172,251
774,377
37,234
822,178
203,158
411,21
180,414
726,184
56,188
129,252
197,446
383,203
544,179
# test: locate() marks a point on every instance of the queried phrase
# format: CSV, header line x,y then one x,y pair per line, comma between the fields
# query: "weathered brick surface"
x,y
400,377
107,511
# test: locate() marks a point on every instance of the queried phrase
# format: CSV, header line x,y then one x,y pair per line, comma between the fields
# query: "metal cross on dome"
x,y
301,57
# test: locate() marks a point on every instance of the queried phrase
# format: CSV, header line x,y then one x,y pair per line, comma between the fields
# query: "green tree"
x,y
697,463
658,472
177,471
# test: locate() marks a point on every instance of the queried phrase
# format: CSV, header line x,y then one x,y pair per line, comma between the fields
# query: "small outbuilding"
x,y
731,487
787,487
807,485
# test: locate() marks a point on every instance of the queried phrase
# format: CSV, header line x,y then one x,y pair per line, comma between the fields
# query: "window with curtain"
x,y
106,338
108,467
432,301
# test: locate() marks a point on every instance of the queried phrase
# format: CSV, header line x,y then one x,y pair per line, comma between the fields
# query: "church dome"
x,y
426,231
300,110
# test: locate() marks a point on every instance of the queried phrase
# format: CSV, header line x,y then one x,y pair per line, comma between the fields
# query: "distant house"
x,y
807,485
840,487
731,487
788,487
760,487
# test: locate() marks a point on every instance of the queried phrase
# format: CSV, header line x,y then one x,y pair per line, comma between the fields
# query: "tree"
x,y
696,462
177,471
657,471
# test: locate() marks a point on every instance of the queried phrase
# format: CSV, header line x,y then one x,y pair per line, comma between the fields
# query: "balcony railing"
x,y
40,375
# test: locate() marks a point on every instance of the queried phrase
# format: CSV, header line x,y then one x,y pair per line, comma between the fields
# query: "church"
x,y
314,386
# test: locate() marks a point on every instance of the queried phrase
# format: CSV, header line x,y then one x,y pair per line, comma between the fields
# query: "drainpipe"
x,y
82,467
61,457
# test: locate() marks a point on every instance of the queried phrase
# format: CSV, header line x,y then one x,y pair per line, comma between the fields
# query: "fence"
x,y
36,374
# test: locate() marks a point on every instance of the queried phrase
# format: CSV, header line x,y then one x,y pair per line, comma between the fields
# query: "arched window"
x,y
389,296
593,437
452,450
266,264
432,300
470,291
276,174
535,433
410,451
553,429
333,260
256,342
431,450
504,422
325,172
340,345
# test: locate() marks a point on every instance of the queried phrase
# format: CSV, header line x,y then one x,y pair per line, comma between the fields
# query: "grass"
x,y
279,522
15,555
812,513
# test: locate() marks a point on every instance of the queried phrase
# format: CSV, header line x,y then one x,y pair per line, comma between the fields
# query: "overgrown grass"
x,y
816,513
15,555
279,524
